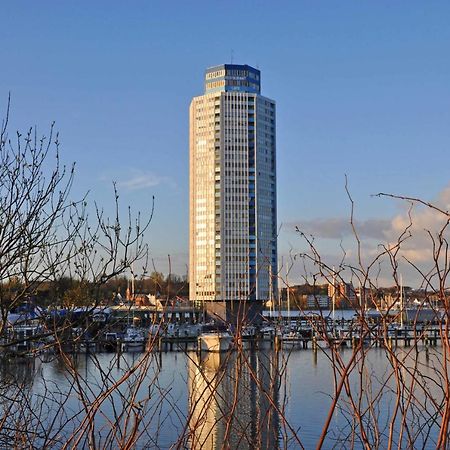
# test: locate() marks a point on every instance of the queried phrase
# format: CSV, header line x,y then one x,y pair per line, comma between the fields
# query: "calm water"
x,y
280,399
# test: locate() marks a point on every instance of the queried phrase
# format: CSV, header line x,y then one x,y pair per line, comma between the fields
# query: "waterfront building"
x,y
343,293
232,198
318,301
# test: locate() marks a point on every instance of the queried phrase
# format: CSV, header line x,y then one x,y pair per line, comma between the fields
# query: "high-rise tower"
x,y
232,198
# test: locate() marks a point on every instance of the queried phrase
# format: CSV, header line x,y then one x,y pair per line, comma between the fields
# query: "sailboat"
x,y
290,337
134,338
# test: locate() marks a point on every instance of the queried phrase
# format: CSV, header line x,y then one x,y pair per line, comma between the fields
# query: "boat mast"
x,y
271,305
132,292
401,301
132,283
288,298
334,293
360,297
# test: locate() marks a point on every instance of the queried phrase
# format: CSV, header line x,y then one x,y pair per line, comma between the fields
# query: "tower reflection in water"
x,y
234,400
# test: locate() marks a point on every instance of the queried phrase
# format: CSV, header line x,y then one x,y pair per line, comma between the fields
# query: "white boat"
x,y
156,329
215,338
184,331
267,332
101,315
133,339
248,331
24,339
291,339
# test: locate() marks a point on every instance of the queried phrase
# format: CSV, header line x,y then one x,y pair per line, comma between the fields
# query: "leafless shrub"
x,y
239,399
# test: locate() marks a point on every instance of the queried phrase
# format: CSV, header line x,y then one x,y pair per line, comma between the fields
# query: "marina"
x,y
136,330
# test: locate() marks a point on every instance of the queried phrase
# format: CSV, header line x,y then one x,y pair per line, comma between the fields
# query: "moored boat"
x,y
133,339
24,339
215,338
291,338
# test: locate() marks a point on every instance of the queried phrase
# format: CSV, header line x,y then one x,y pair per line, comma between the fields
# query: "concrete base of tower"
x,y
235,312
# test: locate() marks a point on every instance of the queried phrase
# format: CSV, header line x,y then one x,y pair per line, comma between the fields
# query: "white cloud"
x,y
137,179
427,223
339,227
423,223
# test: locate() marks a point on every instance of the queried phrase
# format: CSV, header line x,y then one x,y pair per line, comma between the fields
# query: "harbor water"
x,y
252,399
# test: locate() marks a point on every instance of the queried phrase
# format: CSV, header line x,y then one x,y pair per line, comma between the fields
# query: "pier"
x,y
180,331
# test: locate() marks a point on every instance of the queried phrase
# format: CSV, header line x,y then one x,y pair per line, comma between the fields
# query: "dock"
x,y
280,334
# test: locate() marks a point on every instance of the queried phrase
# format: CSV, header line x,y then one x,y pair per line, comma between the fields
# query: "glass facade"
x,y
232,78
233,248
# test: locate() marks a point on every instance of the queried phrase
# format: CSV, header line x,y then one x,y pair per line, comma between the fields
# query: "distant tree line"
x,y
67,291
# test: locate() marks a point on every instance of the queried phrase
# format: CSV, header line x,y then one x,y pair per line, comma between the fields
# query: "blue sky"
x,y
362,88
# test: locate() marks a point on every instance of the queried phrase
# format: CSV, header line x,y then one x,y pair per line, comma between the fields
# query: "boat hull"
x,y
215,342
133,346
